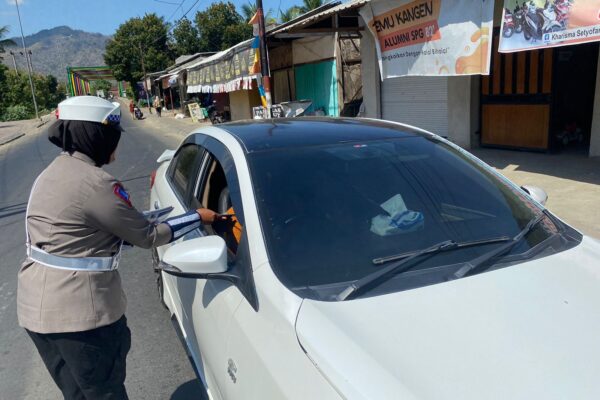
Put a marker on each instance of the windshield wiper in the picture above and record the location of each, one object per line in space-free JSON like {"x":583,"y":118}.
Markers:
{"x":460,"y":245}
{"x":395,"y":268}
{"x":476,"y":263}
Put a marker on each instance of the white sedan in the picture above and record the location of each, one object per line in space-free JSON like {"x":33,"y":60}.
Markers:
{"x":372,"y":260}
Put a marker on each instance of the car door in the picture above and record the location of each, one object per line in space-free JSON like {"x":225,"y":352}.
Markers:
{"x":181,"y":178}
{"x":215,"y":301}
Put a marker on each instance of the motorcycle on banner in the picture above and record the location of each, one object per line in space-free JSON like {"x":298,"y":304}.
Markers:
{"x":508,"y":28}
{"x":542,"y":24}
{"x":539,"y":21}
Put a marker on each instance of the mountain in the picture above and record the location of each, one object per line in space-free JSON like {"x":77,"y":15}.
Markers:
{"x":55,"y":49}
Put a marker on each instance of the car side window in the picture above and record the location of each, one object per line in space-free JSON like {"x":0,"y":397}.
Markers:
{"x":183,"y":168}
{"x":213,"y":193}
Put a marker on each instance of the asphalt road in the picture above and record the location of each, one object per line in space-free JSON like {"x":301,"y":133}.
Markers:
{"x":157,"y":366}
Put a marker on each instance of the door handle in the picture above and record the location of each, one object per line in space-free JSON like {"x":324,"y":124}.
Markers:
{"x":156,"y":205}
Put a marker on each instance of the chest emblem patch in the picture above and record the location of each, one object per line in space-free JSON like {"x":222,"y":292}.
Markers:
{"x":122,"y":194}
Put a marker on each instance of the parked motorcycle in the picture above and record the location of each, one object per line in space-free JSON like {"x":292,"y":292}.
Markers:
{"x":216,"y":117}
{"x":138,"y":113}
{"x":571,"y":133}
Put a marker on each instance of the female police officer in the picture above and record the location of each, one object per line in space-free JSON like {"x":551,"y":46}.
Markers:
{"x":70,"y":298}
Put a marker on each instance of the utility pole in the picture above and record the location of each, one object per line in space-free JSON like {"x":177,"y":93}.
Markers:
{"x":264,"y":60}
{"x":144,"y":71}
{"x":12,"y":54}
{"x":37,"y":115}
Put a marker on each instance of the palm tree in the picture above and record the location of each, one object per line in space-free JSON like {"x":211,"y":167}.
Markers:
{"x":308,"y":5}
{"x":249,"y":9}
{"x":289,"y":14}
{"x":4,"y":42}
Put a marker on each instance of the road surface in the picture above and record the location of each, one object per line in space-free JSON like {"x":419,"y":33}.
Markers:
{"x":157,"y":366}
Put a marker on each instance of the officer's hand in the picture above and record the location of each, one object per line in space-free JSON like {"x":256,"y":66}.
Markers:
{"x":207,"y":216}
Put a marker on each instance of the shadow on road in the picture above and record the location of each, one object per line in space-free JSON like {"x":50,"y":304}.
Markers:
{"x":136,"y":178}
{"x":567,"y":165}
{"x":191,"y":390}
{"x":12,"y":210}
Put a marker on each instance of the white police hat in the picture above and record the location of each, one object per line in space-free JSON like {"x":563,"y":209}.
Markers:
{"x":90,"y":108}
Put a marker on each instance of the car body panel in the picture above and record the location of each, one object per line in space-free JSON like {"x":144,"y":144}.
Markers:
{"x":529,"y":331}
{"x":503,"y":334}
{"x":205,"y":311}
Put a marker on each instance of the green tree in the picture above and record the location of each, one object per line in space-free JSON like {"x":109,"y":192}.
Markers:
{"x":3,"y":87}
{"x":289,"y":14}
{"x":248,"y":10}
{"x":186,"y":38}
{"x":136,"y":38}
{"x":308,"y":5}
{"x":4,"y":42}
{"x":235,"y":34}
{"x":220,"y":26}
{"x":102,"y":84}
{"x":15,"y":95}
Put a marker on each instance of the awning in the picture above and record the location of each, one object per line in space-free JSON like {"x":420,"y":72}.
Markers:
{"x":168,"y":80}
{"x":227,"y":71}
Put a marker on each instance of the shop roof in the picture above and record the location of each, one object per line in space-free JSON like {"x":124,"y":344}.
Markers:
{"x":306,"y":20}
{"x":217,"y":56}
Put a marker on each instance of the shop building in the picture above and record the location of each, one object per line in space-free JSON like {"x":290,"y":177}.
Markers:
{"x":531,"y":100}
{"x":317,"y":57}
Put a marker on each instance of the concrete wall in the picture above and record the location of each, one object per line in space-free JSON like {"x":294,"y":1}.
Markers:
{"x":459,"y":110}
{"x":595,"y":133}
{"x":371,"y":82}
{"x":241,"y":103}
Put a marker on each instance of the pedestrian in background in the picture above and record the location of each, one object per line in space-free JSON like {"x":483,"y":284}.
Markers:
{"x":132,"y":108}
{"x":157,"y":105}
{"x":70,"y":299}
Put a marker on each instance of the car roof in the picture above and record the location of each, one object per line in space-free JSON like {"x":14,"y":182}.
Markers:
{"x":260,"y":135}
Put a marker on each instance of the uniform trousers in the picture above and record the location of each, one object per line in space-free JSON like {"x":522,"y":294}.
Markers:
{"x":88,"y":365}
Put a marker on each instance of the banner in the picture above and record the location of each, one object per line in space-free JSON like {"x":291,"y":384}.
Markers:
{"x":540,"y":23}
{"x":435,"y":37}
{"x":233,"y":70}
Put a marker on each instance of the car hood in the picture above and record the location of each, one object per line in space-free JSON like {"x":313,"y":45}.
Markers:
{"x":530,"y":331}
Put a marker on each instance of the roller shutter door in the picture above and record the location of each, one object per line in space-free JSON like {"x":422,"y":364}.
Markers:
{"x":421,"y":101}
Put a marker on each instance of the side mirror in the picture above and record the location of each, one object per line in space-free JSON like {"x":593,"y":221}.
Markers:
{"x":196,"y":258}
{"x":536,"y":193}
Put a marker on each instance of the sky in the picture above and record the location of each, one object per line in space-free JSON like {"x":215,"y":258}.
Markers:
{"x":102,"y":16}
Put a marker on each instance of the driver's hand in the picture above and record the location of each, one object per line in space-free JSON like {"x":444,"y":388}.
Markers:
{"x":207,"y":216}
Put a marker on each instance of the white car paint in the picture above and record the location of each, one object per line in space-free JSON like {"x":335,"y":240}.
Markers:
{"x":526,"y":332}
{"x":218,"y":324}
{"x":529,"y":331}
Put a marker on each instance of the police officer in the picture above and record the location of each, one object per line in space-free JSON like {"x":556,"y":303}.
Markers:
{"x":70,"y":299}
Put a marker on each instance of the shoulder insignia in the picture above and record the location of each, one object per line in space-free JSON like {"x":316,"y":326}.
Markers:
{"x":122,"y":194}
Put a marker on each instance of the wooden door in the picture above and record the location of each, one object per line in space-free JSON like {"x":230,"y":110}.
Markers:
{"x":516,"y":98}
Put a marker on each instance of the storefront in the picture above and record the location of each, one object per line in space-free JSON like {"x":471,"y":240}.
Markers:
{"x":229,"y":77}
{"x":317,"y":57}
{"x":540,"y":99}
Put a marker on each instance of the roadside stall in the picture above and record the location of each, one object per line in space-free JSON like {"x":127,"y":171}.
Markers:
{"x":229,"y":78}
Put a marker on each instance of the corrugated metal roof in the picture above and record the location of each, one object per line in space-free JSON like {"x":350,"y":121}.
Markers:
{"x":310,"y":18}
{"x":217,"y":56}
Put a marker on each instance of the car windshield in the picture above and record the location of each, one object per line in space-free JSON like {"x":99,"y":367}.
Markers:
{"x":328,"y":212}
